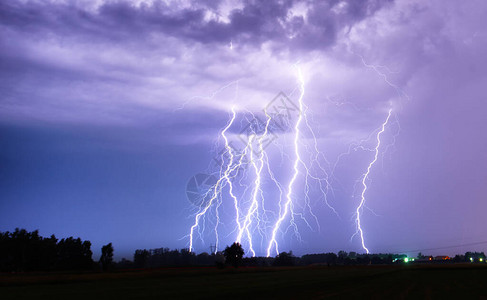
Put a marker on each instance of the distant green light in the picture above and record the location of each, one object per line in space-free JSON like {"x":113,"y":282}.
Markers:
{"x":406,"y":259}
{"x":471,"y":258}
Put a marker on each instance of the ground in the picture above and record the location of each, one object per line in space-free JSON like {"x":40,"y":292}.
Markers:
{"x":312,"y":282}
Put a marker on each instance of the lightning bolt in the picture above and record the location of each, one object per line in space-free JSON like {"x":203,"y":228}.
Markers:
{"x":383,"y":75}
{"x":254,"y":206}
{"x":227,"y":177}
{"x":288,"y":205}
{"x":365,"y":177}
{"x":216,"y":189}
{"x":251,"y":216}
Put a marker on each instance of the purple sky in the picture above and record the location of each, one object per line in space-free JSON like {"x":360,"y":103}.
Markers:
{"x":107,"y":108}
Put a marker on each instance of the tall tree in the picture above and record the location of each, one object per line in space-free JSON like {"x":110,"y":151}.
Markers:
{"x":233,"y":254}
{"x":285,"y":259}
{"x":106,"y":257}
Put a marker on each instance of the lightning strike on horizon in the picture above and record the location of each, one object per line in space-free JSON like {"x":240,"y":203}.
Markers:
{"x":216,"y":188}
{"x":251,"y":215}
{"x":227,"y":177}
{"x":244,"y":227}
{"x":255,"y":218}
{"x":365,"y":176}
{"x":288,"y":206}
{"x":254,"y":206}
{"x":382,"y":73}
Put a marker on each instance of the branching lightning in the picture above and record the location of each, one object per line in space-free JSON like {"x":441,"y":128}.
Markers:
{"x":365,"y":177}
{"x":251,"y":216}
{"x":266,"y":201}
{"x":288,"y":205}
{"x":216,"y":189}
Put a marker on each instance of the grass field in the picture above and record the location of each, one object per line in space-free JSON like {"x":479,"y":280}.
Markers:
{"x":315,"y":282}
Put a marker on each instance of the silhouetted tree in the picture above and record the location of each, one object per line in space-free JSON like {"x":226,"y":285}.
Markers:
{"x":285,"y":259}
{"x":141,"y":258}
{"x":342,"y":257}
{"x":124,"y":264}
{"x":233,"y":254}
{"x":74,"y":254}
{"x":28,"y":251}
{"x":328,"y":258}
{"x":187,"y":258}
{"x":257,"y":261}
{"x":155,"y":258}
{"x":459,"y":258}
{"x":106,"y":257}
{"x":375,"y":260}
{"x":363,"y":259}
{"x":219,"y":258}
{"x":204,"y":259}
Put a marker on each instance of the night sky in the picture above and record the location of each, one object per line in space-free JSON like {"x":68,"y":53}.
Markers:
{"x":108,"y":108}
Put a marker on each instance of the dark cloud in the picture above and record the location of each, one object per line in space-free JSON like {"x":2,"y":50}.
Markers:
{"x":255,"y":23}
{"x":53,"y":53}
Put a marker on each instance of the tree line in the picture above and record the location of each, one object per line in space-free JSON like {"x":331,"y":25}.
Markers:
{"x":233,"y":255}
{"x":28,"y":251}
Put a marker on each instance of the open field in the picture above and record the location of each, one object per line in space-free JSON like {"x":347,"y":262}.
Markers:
{"x":315,"y":282}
